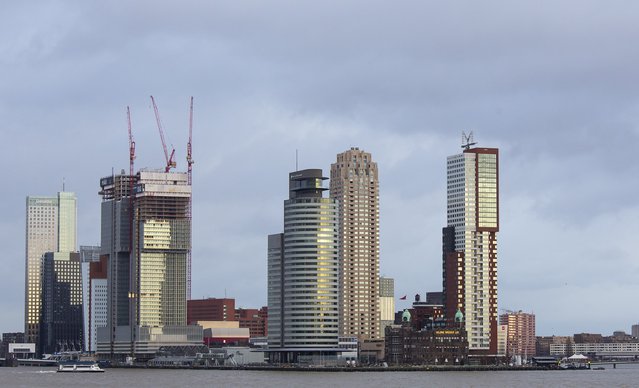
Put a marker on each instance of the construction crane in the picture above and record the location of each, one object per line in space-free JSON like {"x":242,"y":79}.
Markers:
{"x":189,"y":162}
{"x":131,"y":145}
{"x":170,"y":163}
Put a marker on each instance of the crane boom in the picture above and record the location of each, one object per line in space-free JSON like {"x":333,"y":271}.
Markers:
{"x":170,"y":162}
{"x":189,"y":162}
{"x":131,"y":142}
{"x":189,"y":156}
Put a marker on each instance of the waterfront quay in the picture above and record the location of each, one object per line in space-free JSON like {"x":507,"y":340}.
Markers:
{"x":319,"y":368}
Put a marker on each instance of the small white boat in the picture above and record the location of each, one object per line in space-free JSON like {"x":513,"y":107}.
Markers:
{"x":79,"y":367}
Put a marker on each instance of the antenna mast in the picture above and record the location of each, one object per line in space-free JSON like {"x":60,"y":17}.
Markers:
{"x":170,"y":163}
{"x":467,"y":140}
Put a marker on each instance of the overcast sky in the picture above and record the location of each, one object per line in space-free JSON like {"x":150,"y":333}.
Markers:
{"x":554,"y":85}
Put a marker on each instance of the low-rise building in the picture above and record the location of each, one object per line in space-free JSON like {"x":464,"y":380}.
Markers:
{"x":10,"y":338}
{"x":440,"y":346}
{"x":542,"y":344}
{"x":597,"y":350}
{"x":256,"y":320}
{"x":210,"y":309}
{"x":224,"y":333}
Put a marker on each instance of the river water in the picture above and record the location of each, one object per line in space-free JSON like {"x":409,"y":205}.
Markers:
{"x":622,"y":376}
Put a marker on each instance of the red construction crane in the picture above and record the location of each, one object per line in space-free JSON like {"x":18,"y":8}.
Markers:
{"x":189,"y":162}
{"x":189,"y":159}
{"x":131,"y":144}
{"x":170,"y":163}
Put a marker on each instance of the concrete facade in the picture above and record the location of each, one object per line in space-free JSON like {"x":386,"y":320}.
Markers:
{"x":521,"y":333}
{"x":354,"y":185}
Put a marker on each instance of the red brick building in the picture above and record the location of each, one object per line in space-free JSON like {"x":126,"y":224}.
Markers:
{"x":211,"y":309}
{"x":253,"y":319}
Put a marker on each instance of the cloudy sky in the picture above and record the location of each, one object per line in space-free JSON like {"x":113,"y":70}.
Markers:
{"x":554,"y":85}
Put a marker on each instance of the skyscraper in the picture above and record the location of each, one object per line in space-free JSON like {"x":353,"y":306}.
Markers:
{"x":50,"y":227}
{"x":355,"y":188}
{"x":146,"y":236}
{"x":470,"y":245}
{"x":303,"y":274}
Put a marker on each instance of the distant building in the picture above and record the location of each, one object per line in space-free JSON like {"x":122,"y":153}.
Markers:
{"x":597,"y":350}
{"x":435,"y":297}
{"x":50,"y":227}
{"x":470,"y":244}
{"x":97,"y":301}
{"x":502,"y":340}
{"x":424,"y":313}
{"x":9,"y":338}
{"x":635,"y":331}
{"x":303,"y":269}
{"x":256,"y":320}
{"x":521,"y":333}
{"x":542,"y":344}
{"x":583,"y":338}
{"x":211,"y":309}
{"x":62,"y":312}
{"x":386,"y":302}
{"x":354,"y":186}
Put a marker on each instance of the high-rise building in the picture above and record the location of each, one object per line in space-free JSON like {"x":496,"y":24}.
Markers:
{"x":634,"y":331}
{"x":88,"y":255}
{"x":62,"y":322}
{"x":146,"y":235}
{"x":354,"y":186}
{"x":50,"y":227}
{"x":386,"y":302}
{"x":470,"y":245}
{"x":303,"y":270}
{"x":521,"y":333}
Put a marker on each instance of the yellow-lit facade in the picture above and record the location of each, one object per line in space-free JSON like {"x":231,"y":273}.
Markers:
{"x":162,"y":230}
{"x":50,"y":227}
{"x":473,"y":211}
{"x":303,"y":269}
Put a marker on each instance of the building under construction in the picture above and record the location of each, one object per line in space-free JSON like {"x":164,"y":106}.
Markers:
{"x":146,"y":235}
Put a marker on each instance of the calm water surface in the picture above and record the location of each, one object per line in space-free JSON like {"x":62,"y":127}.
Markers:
{"x":623,"y":376}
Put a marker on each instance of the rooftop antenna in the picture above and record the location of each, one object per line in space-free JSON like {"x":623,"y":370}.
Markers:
{"x":467,"y":140}
{"x":63,"y":184}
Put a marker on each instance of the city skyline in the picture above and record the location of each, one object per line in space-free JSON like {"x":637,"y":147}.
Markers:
{"x":558,"y":100}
